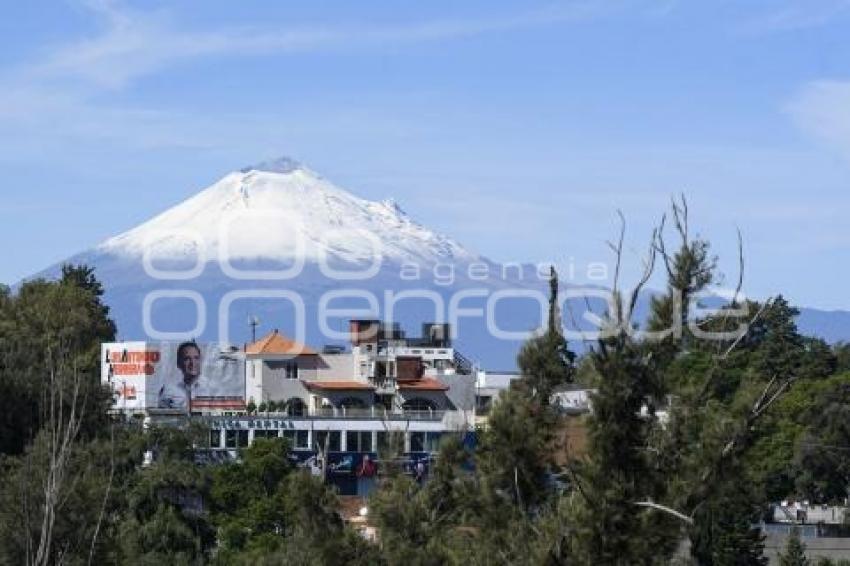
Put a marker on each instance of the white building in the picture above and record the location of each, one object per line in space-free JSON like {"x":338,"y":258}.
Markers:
{"x":340,"y":403}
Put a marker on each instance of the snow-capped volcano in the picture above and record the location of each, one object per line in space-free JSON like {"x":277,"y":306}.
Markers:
{"x":176,"y":276}
{"x":281,"y":210}
{"x":205,"y":267}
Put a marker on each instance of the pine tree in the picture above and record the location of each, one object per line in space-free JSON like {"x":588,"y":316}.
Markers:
{"x":546,"y":361}
{"x":723,"y":532}
{"x":611,"y":527}
{"x":515,"y":455}
{"x":781,"y":348}
{"x":690,"y":270}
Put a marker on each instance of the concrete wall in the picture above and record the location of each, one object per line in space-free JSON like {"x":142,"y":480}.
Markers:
{"x":335,"y":367}
{"x":462,"y":391}
{"x":281,"y":390}
{"x":834,"y":548}
{"x":266,"y":379}
{"x":276,"y":369}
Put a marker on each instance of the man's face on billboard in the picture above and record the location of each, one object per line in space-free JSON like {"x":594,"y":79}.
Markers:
{"x":189,"y":363}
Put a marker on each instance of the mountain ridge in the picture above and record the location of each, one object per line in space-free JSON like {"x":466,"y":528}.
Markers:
{"x":234,"y":238}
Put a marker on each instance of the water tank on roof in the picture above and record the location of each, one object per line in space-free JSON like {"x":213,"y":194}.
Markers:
{"x":437,"y":334}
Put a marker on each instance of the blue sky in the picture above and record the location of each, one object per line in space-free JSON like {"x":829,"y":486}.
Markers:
{"x":517,"y":127}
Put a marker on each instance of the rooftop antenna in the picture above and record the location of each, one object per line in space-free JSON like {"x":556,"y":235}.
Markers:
{"x":253,"y":322}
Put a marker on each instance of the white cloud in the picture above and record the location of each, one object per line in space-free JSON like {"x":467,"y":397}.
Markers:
{"x":65,"y":95}
{"x":134,"y":44}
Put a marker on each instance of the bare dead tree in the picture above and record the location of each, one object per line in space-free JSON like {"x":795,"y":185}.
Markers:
{"x":106,"y":494}
{"x":61,"y":428}
{"x":620,"y":320}
{"x":738,"y":442}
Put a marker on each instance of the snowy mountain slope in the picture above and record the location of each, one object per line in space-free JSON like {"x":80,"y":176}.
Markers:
{"x":273,"y":215}
{"x":281,"y":210}
{"x":268,"y":217}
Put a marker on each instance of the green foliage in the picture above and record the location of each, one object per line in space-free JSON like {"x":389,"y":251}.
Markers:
{"x":409,"y":534}
{"x":95,"y":498}
{"x":586,"y":374}
{"x":619,"y":473}
{"x":822,"y":456}
{"x":818,"y":360}
{"x":712,"y":460}
{"x":268,"y":512}
{"x":242,"y":495}
{"x":546,"y":361}
{"x":842,"y":356}
{"x":493,"y":515}
{"x":515,"y":454}
{"x":722,"y":533}
{"x":165,"y":518}
{"x":795,"y":552}
{"x":789,"y":436}
{"x":781,"y":348}
{"x":51,"y":327}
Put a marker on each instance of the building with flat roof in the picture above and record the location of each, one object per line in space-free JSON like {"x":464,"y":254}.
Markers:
{"x":385,"y":393}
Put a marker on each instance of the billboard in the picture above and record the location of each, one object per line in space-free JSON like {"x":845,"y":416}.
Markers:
{"x":184,"y":376}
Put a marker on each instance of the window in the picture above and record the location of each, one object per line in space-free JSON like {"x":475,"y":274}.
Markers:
{"x":331,"y":437}
{"x":236,"y":438}
{"x":295,"y":407}
{"x":352,"y":403}
{"x":390,"y":443}
{"x":418,"y":404}
{"x":483,"y":404}
{"x":265,"y":434}
{"x":286,"y":369}
{"x":432,"y":441}
{"x":301,"y":439}
{"x":417,"y":442}
{"x":384,"y":401}
{"x":380,"y":370}
{"x":215,"y":438}
{"x":358,"y":441}
{"x":297,"y":439}
{"x":291,"y":369}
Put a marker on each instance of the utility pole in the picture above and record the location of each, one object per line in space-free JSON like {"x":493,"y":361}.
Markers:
{"x":254,"y":323}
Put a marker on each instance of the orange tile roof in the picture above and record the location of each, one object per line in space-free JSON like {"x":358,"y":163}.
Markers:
{"x":424,"y":384}
{"x":276,"y":343}
{"x":339,"y":385}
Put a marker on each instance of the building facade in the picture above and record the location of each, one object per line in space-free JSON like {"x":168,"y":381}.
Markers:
{"x":384,"y":394}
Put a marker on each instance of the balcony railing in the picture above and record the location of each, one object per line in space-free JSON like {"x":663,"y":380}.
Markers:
{"x":370,"y":413}
{"x":426,"y":352}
